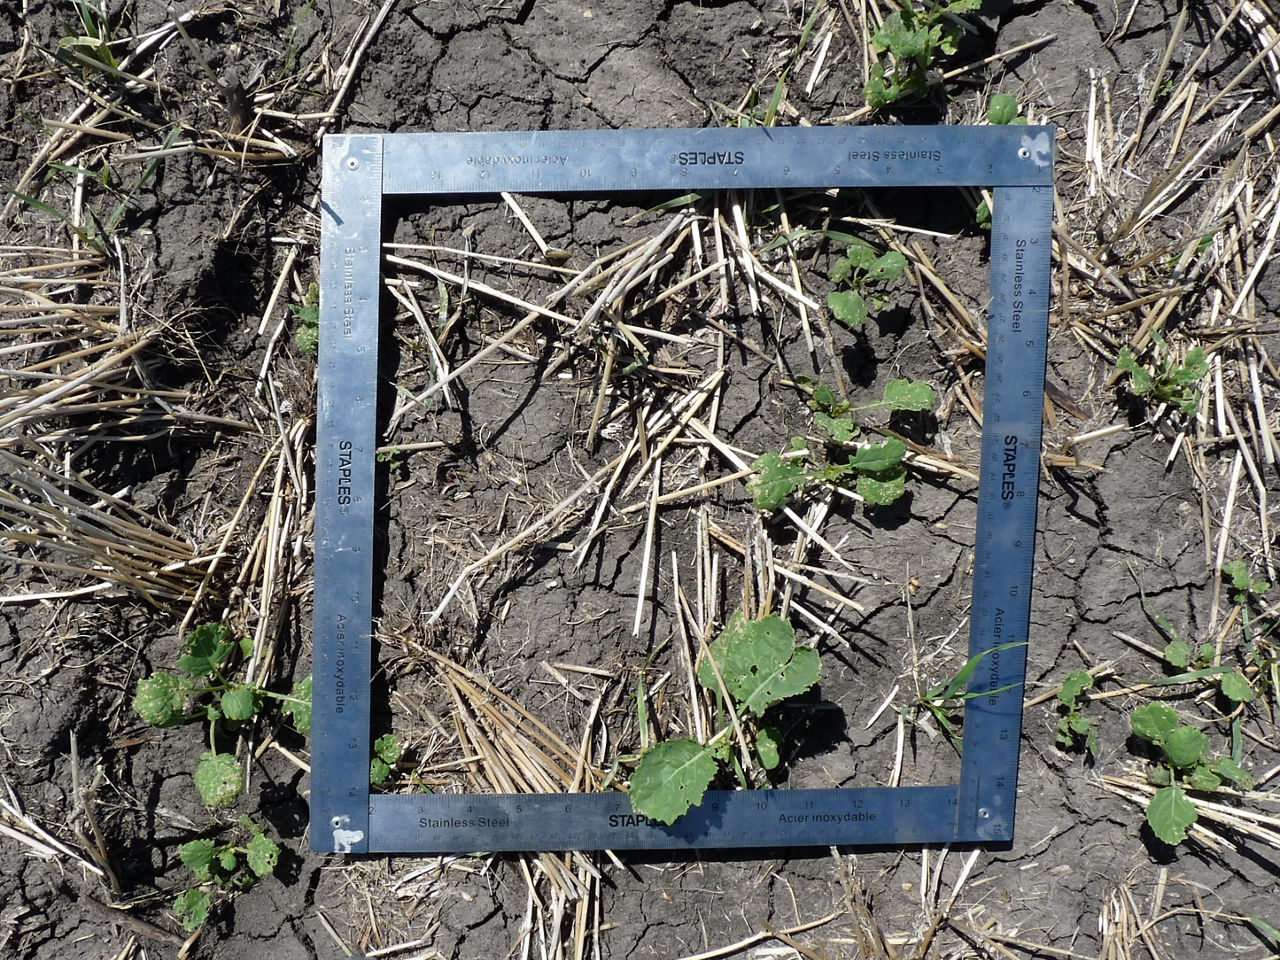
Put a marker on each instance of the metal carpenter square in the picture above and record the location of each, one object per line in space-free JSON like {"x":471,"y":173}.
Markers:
{"x":360,"y":170}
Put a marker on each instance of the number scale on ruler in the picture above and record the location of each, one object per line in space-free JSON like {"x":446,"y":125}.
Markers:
{"x":360,"y":170}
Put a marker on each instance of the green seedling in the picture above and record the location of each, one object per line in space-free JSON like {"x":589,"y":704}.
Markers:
{"x":1237,"y":571}
{"x":944,"y":700}
{"x":1184,"y":764}
{"x":860,"y":276}
{"x":1198,"y":664}
{"x":1003,"y":111}
{"x":1075,"y":730}
{"x":307,"y":336}
{"x":94,"y":39}
{"x":913,"y":39}
{"x":226,"y":866}
{"x":205,"y":689}
{"x":1166,"y":380}
{"x":876,"y":468}
{"x":758,"y":664}
{"x":386,"y":754}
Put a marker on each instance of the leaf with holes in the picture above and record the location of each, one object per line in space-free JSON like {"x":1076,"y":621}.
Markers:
{"x":218,"y":779}
{"x":883,"y":487}
{"x":908,"y":395}
{"x":160,"y":699}
{"x":671,"y":777}
{"x":262,"y":854}
{"x":192,"y":908}
{"x":776,"y":479}
{"x":848,"y":307}
{"x":298,"y":706}
{"x":759,"y":662}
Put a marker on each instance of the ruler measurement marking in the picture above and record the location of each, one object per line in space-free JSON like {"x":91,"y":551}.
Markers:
{"x":360,"y":171}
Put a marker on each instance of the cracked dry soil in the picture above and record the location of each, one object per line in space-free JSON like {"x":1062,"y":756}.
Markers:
{"x":205,"y":242}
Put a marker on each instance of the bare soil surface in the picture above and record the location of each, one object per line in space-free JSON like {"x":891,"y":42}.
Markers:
{"x":158,"y":419}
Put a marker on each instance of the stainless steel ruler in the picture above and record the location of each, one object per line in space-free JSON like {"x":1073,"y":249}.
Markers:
{"x":361,"y":170}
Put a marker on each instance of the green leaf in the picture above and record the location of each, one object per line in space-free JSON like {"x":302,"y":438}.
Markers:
{"x":387,"y":747}
{"x":860,"y":254}
{"x":776,"y":479}
{"x":848,"y":307}
{"x":824,"y":397}
{"x":953,"y":686}
{"x":759,"y":662}
{"x":1139,"y":378}
{"x":1203,"y":778}
{"x":670,"y":778}
{"x":1194,"y":366}
{"x":208,"y":647}
{"x":882,"y":488}
{"x":839,"y":429}
{"x":908,"y":395}
{"x":1159,"y":776}
{"x":192,"y":908}
{"x":887,"y":267}
{"x":1238,"y":573}
{"x":1003,"y":109}
{"x":239,"y":703}
{"x":218,"y":779}
{"x":1177,"y":653}
{"x":298,"y":706}
{"x":841,"y":270}
{"x":1073,"y":686}
{"x":227,"y":860}
{"x":1170,"y":813}
{"x":878,"y":457}
{"x":1185,"y":746}
{"x":160,"y":699}
{"x":197,"y":856}
{"x":262,"y":854}
{"x":1236,"y":688}
{"x":767,"y":748}
{"x":1153,"y":722}
{"x":1266,"y":929}
{"x":982,"y":216}
{"x":379,"y":771}
{"x":1231,"y":772}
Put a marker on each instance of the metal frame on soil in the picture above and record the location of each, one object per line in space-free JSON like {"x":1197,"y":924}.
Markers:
{"x":360,"y":171}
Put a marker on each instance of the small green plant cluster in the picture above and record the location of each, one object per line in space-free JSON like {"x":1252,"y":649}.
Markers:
{"x":229,"y":866}
{"x":944,"y":700}
{"x":204,"y":688}
{"x":913,"y":39}
{"x":877,"y":468}
{"x":1075,"y":730}
{"x":307,"y":336}
{"x":1184,"y":764}
{"x":1166,"y":380}
{"x":758,"y":664}
{"x":94,"y":39}
{"x":1237,"y":571}
{"x":858,"y":275}
{"x":386,"y":754}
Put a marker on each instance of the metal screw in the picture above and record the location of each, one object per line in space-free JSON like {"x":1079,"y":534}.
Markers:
{"x":1024,"y":153}
{"x":984,"y":814}
{"x":353,"y":163}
